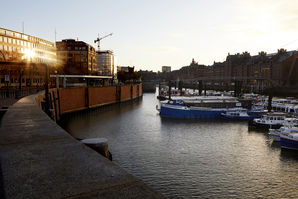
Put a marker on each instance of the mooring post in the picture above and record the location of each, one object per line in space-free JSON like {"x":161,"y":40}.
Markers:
{"x":159,"y":87}
{"x":98,"y":144}
{"x":269,"y":102}
{"x":169,"y":90}
{"x":180,"y":87}
{"x":200,"y":87}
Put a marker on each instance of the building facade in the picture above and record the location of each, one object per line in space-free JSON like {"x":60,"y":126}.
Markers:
{"x":105,"y":62}
{"x":24,"y":58}
{"x":165,"y":69}
{"x":76,"y":57}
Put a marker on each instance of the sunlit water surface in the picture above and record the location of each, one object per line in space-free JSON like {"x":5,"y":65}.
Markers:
{"x":190,"y":158}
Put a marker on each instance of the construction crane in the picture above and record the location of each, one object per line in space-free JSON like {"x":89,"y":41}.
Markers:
{"x":100,"y":38}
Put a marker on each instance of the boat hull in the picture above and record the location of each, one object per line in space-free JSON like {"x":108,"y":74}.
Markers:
{"x":287,"y":143}
{"x":265,"y":126}
{"x":184,"y":112}
{"x":275,"y":135}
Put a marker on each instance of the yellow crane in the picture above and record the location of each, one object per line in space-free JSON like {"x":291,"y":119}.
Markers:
{"x":100,"y":38}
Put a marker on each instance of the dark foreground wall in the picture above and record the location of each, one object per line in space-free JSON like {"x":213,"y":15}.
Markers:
{"x":40,"y":160}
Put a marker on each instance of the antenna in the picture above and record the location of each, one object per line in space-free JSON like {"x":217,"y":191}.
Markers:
{"x":55,"y":37}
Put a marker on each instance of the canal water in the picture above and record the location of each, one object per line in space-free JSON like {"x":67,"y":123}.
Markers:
{"x":190,"y":158}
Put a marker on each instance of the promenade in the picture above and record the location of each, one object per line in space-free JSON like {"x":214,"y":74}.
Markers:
{"x":39,"y":159}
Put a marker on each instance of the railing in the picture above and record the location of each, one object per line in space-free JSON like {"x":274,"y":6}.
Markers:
{"x":16,"y":93}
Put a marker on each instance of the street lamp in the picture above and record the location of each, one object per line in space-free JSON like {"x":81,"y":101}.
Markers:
{"x":47,"y":101}
{"x":7,"y":93}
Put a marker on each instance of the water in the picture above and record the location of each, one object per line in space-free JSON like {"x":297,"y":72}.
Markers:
{"x":191,"y":158}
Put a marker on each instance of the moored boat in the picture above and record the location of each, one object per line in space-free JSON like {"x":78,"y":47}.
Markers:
{"x":237,"y":114}
{"x":289,"y":141}
{"x":198,"y":107}
{"x":285,"y":130}
{"x":270,"y":120}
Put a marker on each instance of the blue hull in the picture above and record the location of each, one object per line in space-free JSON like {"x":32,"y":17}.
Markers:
{"x":188,"y":113}
{"x":288,"y":143}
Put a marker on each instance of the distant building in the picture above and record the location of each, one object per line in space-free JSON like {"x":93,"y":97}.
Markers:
{"x":76,"y":57}
{"x":125,"y":69}
{"x":23,"y":59}
{"x":105,"y":62}
{"x":166,"y":69}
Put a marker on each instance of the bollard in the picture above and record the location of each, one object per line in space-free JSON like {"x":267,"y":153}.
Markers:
{"x":98,"y":144}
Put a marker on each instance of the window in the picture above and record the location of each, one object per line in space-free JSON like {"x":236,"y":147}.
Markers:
{"x":1,"y":47}
{"x":76,"y":48}
{"x":5,"y":48}
{"x":69,"y":48}
{"x":1,"y":38}
{"x":9,"y":40}
{"x":13,"y":41}
{"x":5,"y":39}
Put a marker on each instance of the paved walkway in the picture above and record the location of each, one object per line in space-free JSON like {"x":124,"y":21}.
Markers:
{"x":40,"y":160}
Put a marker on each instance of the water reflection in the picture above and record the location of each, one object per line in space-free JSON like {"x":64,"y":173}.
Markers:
{"x":191,"y":158}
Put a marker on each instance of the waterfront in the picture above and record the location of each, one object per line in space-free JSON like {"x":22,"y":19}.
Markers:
{"x":190,"y":158}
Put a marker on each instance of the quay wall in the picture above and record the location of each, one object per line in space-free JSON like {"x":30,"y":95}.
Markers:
{"x":66,"y":100}
{"x":39,"y":159}
{"x":74,"y":99}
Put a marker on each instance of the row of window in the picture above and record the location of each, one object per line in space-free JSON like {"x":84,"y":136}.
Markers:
{"x":25,"y":37}
{"x":75,"y":48}
{"x":15,"y":41}
{"x":18,"y":42}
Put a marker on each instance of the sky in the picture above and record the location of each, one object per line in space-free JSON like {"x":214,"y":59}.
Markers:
{"x":149,"y":34}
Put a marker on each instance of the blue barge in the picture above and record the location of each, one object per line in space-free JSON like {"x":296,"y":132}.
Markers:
{"x":189,"y":112}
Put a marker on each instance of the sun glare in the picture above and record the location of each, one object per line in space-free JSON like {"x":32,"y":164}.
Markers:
{"x":28,"y":54}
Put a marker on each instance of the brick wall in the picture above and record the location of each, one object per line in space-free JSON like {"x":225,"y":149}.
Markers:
{"x":72,"y":99}
{"x":125,"y":93}
{"x":102,"y":95}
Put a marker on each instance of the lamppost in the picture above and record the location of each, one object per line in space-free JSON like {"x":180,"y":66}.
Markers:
{"x":47,"y":101}
{"x":7,"y":93}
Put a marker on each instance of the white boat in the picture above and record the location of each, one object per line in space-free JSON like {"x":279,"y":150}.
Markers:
{"x":270,"y":120}
{"x":285,"y":130}
{"x":237,"y":114}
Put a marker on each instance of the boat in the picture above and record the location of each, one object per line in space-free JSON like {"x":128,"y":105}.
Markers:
{"x":257,"y":111}
{"x":237,"y":114}
{"x":285,"y":130}
{"x":290,"y":140}
{"x":270,"y":120}
{"x":198,"y":107}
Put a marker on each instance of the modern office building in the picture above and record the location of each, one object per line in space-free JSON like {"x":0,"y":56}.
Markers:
{"x":76,"y":57}
{"x":105,"y":62}
{"x":24,"y":58}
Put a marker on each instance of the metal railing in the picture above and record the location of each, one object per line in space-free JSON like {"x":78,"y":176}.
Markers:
{"x":16,"y":93}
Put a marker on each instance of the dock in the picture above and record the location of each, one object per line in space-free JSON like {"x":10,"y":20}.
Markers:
{"x":38,"y":159}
